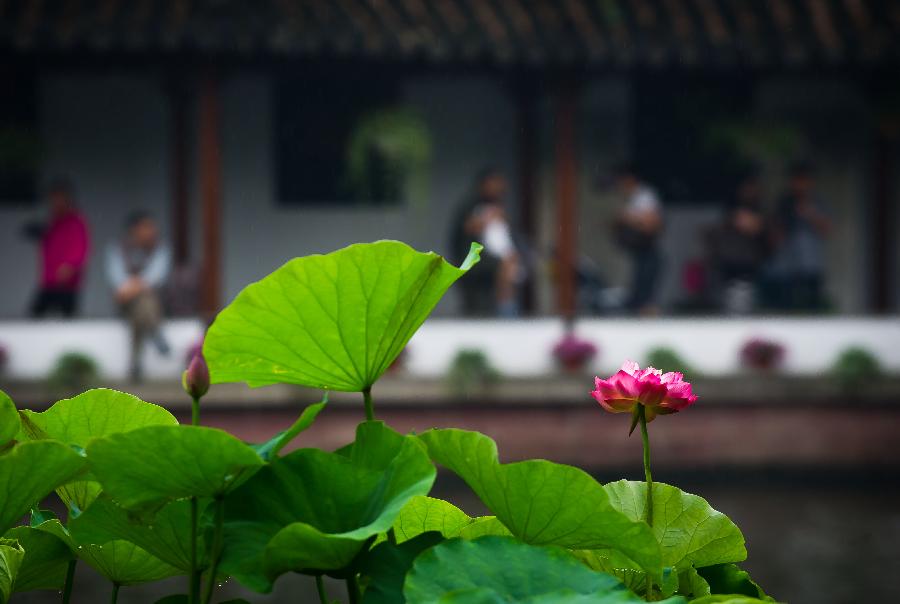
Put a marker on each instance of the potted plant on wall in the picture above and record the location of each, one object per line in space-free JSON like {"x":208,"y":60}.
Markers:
{"x":761,"y":354}
{"x":573,"y":354}
{"x":856,"y":368}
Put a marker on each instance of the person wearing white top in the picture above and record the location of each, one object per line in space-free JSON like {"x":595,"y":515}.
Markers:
{"x":493,"y":288}
{"x":137,"y":267}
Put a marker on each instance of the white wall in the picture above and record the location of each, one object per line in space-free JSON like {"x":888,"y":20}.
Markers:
{"x":516,"y":348}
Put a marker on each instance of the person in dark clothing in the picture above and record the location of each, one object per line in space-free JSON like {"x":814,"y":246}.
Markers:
{"x":638,"y":229}
{"x":801,"y":229}
{"x":64,"y":250}
{"x":742,"y":246}
{"x":491,"y":288}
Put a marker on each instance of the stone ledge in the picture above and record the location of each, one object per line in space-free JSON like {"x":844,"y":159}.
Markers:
{"x":550,"y":390}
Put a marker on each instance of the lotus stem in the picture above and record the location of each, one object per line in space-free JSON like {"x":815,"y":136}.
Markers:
{"x":645,"y":441}
{"x":218,"y":545}
{"x":115,"y":594}
{"x":195,"y":410}
{"x":367,"y":400}
{"x":194,"y":591}
{"x":353,"y":589}
{"x":70,"y":581}
{"x":320,"y":587}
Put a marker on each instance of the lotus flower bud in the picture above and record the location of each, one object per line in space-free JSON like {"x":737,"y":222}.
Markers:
{"x":195,"y":379}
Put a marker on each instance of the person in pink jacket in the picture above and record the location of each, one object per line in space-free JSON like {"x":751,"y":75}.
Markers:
{"x":64,"y":249}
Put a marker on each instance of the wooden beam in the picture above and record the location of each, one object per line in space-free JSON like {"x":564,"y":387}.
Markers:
{"x":566,"y":202}
{"x":210,"y":193}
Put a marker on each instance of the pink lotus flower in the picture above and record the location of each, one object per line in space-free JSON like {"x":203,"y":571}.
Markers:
{"x":660,"y":393}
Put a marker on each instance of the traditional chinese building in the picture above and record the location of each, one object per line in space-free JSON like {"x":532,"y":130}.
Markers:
{"x":230,"y":121}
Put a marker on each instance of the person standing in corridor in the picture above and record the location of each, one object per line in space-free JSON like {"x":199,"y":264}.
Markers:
{"x":65,"y":245}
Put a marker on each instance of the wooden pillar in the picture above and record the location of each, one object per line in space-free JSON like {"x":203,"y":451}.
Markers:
{"x":180,"y":208}
{"x":210,"y":168}
{"x":527,"y":151}
{"x":566,"y":202}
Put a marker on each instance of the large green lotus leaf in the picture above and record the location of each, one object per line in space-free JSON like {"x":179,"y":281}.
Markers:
{"x":92,"y":414}
{"x":11,"y":555}
{"x":145,"y":468}
{"x":384,"y":567}
{"x":543,"y":503}
{"x":335,"y":322}
{"x":313,"y":511}
{"x":9,"y":420}
{"x":731,"y":579}
{"x":512,"y":570}
{"x":689,"y":531}
{"x":29,"y":472}
{"x":125,"y":563}
{"x":166,"y":536}
{"x":47,"y":556}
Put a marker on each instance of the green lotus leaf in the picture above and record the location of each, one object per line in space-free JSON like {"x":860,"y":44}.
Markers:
{"x":543,"y":503}
{"x":385,"y":566}
{"x":93,"y":414}
{"x":124,"y":563}
{"x":334,"y":321}
{"x":313,"y":511}
{"x":691,"y":584}
{"x":145,"y":468}
{"x":29,"y":472}
{"x":9,"y":420}
{"x":484,"y":525}
{"x":47,"y":555}
{"x":502,"y":569}
{"x":424,"y":514}
{"x":11,"y":556}
{"x":427,"y":514}
{"x":625,"y":570}
{"x":731,"y":579}
{"x":729,"y":599}
{"x":689,"y":531}
{"x":185,"y":599}
{"x":166,"y":536}
{"x":83,"y":418}
{"x":274,"y":445}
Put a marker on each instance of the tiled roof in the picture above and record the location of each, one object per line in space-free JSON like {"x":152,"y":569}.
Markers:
{"x":600,"y":32}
